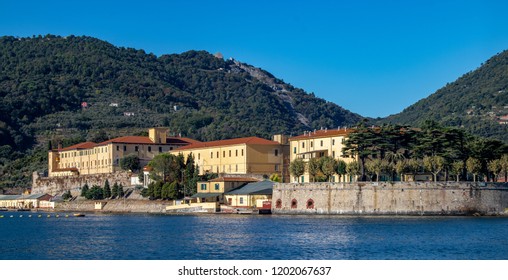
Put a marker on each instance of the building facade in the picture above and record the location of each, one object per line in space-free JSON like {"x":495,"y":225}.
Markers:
{"x":240,"y":156}
{"x":98,"y":158}
{"x":214,"y":189}
{"x":31,"y":201}
{"x":253,"y":195}
{"x":317,"y":144}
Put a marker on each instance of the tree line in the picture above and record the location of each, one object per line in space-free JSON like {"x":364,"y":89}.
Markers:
{"x":97,"y":192}
{"x":173,"y":177}
{"x":394,"y":152}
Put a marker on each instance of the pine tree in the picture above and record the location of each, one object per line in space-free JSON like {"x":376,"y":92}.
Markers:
{"x":84,"y":190}
{"x":115,"y":191}
{"x":106,"y":190}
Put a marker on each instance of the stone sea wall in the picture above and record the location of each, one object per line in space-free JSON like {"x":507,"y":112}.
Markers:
{"x":59,"y":185}
{"x":114,"y":206}
{"x":383,"y":198}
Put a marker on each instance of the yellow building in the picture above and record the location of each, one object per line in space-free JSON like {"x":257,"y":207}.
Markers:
{"x":96,"y":158}
{"x":213,"y":190}
{"x":316,"y":144}
{"x":240,"y":156}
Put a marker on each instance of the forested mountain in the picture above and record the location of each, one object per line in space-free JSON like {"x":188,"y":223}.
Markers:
{"x":75,"y":89}
{"x":477,"y":101}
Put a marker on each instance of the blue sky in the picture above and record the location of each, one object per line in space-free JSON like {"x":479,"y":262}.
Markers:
{"x":371,"y":57}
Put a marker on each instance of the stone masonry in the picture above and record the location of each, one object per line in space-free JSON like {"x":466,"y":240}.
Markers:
{"x":59,"y":185}
{"x":384,"y":198}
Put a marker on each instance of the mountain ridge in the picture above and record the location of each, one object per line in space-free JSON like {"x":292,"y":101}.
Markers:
{"x":477,"y":101}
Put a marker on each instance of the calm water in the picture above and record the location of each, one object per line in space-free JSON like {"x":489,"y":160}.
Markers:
{"x":251,"y":237}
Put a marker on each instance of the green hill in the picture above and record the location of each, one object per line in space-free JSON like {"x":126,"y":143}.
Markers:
{"x":477,"y":101}
{"x":74,"y":89}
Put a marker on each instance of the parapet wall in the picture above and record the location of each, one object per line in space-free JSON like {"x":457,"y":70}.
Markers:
{"x":59,"y":185}
{"x":400,"y":198}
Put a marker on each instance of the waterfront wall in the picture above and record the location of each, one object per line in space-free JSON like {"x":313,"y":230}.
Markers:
{"x":115,"y":206}
{"x":59,"y":185}
{"x":384,"y":198}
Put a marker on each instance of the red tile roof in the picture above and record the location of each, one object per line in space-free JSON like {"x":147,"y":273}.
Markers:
{"x":84,"y":145}
{"x":181,"y":140}
{"x":147,"y":140}
{"x":322,"y":133}
{"x":131,"y":140}
{"x":128,"y":140}
{"x":236,"y":141}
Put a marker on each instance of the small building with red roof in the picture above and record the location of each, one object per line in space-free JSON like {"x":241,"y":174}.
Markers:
{"x":99,"y":158}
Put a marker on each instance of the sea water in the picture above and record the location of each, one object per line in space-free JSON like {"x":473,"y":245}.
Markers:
{"x":246,"y":237}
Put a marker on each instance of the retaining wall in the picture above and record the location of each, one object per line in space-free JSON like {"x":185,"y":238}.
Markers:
{"x":59,"y":185}
{"x":401,"y":198}
{"x":115,"y":206}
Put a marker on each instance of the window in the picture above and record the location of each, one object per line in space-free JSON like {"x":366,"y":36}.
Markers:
{"x":242,"y":152}
{"x":170,"y":148}
{"x":149,"y":148}
{"x":223,"y":154}
{"x":211,"y":154}
{"x":136,"y":148}
{"x":199,"y":156}
{"x":160,"y":149}
{"x":229,"y":153}
{"x":321,"y":143}
{"x":312,"y":144}
{"x":236,"y":168}
{"x":217,"y":154}
{"x":294,"y":150}
{"x":276,"y":167}
{"x":333,"y":153}
{"x":276,"y":152}
{"x":236,"y":153}
{"x":310,"y":204}
{"x":278,"y":204}
{"x":203,"y":187}
{"x":294,"y":203}
{"x":241,"y":200}
{"x":303,"y":145}
{"x":303,"y":179}
{"x":217,"y":186}
{"x":333,"y":142}
{"x":124,"y":148}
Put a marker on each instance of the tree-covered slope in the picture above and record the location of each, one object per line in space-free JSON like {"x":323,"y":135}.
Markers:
{"x":476,"y":101}
{"x":81,"y":88}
